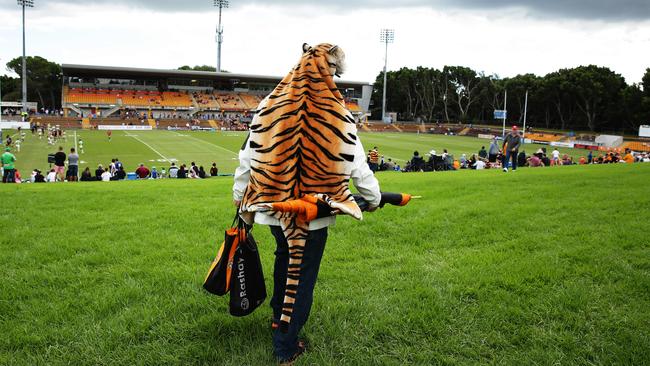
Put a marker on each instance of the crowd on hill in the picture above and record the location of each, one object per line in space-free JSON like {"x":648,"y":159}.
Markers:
{"x":494,"y":158}
{"x":66,"y":169}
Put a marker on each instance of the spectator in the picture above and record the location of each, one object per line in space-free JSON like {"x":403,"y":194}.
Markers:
{"x":142,"y":172}
{"x":582,"y":160}
{"x":182,"y":173}
{"x":106,"y":176}
{"x":201,"y":172}
{"x":628,"y":158}
{"x":86,"y":176}
{"x":194,"y":170}
{"x":556,"y":157}
{"x":173,"y":171}
{"x":59,"y":164}
{"x":463,"y":161}
{"x":390,"y":165}
{"x":521,"y":159}
{"x":154,"y":173}
{"x":214,"y":171}
{"x":51,"y":176}
{"x":373,"y":159}
{"x":482,"y":153}
{"x":98,"y":172}
{"x":120,"y":174}
{"x":479,"y":164}
{"x":163,"y":172}
{"x":73,"y":166}
{"x":8,"y":160}
{"x":417,"y":163}
{"x":38,"y":177}
{"x":494,"y":151}
{"x":511,"y":148}
{"x":590,"y":157}
{"x":534,"y":161}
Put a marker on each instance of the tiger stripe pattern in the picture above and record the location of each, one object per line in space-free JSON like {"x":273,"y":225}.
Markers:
{"x":302,"y":142}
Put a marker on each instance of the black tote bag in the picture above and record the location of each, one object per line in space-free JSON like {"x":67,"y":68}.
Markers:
{"x":247,"y":288}
{"x":220,"y":272}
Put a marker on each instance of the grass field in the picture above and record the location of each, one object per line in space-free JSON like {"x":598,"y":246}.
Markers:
{"x":158,"y":148}
{"x":544,"y":266}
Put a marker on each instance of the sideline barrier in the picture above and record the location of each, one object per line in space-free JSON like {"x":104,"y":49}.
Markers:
{"x":13,"y":125}
{"x":124,"y":128}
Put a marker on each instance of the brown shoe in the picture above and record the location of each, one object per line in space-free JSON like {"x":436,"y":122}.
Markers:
{"x":301,"y":349}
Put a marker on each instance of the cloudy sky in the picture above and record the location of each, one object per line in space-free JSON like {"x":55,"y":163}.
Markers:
{"x":503,"y":37}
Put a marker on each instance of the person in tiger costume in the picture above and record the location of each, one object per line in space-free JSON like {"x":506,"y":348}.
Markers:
{"x":302,"y":142}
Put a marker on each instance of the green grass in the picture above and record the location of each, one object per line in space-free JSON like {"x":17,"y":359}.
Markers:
{"x":157,"y":148}
{"x":542,"y":266}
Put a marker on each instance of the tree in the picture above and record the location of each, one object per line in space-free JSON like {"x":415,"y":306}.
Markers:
{"x":199,"y":68}
{"x":597,"y":93}
{"x":44,"y":80}
{"x":462,"y":83}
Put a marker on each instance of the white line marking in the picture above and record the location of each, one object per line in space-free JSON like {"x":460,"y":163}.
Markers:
{"x":75,"y":141}
{"x":149,"y":146}
{"x":209,"y":143}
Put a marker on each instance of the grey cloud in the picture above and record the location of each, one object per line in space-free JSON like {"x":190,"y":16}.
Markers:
{"x":616,"y":10}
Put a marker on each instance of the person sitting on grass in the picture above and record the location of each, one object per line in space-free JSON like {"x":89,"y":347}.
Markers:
{"x":120,"y":174}
{"x":106,"y":176}
{"x":201,"y":172}
{"x":182,"y":172}
{"x":51,"y":176}
{"x":628,"y":158}
{"x":214,"y":171}
{"x":173,"y":171}
{"x":98,"y":172}
{"x":534,"y":161}
{"x":154,"y":173}
{"x":86,"y":176}
{"x":417,"y":163}
{"x":463,"y":161}
{"x":38,"y":177}
{"x":142,"y":172}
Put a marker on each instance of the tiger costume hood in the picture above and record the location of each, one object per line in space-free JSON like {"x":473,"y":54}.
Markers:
{"x":302,"y":142}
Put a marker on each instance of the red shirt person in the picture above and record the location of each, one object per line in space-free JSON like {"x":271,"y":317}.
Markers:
{"x":142,"y":172}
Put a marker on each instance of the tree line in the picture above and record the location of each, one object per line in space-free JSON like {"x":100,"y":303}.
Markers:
{"x":582,"y":98}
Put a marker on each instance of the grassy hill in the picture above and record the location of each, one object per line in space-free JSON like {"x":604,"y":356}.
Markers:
{"x":541,"y":266}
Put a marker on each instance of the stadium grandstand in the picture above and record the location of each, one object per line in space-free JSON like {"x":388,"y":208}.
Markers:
{"x":102,"y":93}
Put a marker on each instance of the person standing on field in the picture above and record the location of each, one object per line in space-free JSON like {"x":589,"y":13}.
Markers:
{"x":73,"y":166}
{"x":494,"y":151}
{"x":511,"y":144}
{"x":8,"y":160}
{"x":59,"y":164}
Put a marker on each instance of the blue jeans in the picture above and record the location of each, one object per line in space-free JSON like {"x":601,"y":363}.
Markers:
{"x":510,"y":155}
{"x":285,"y":345}
{"x":9,"y":176}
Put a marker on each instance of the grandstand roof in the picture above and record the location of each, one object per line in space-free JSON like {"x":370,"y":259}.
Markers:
{"x":134,"y":72}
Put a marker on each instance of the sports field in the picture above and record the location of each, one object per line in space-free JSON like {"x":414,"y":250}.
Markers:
{"x":159,"y":148}
{"x":544,"y":266}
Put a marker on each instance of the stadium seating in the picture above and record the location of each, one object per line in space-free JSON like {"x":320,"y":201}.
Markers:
{"x":205,"y":100}
{"x":544,"y":137}
{"x":176,"y":99}
{"x":251,"y":100}
{"x":636,"y":146}
{"x":230,"y":101}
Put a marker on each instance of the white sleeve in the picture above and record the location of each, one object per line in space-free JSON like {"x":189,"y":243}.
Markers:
{"x":243,"y":172}
{"x":363,"y":178}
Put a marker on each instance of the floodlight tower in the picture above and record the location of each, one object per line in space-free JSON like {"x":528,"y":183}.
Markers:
{"x":386,"y":36}
{"x":25,"y":4}
{"x":222,"y":4}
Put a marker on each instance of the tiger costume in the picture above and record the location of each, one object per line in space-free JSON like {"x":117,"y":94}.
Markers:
{"x":302,"y":142}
